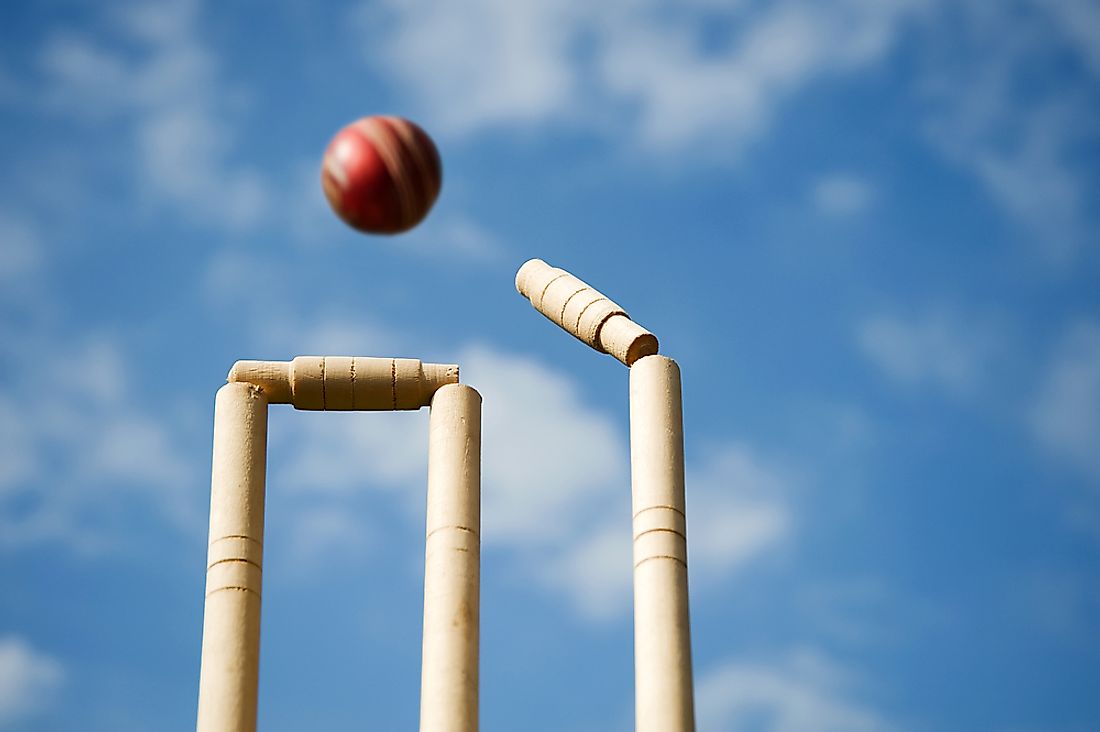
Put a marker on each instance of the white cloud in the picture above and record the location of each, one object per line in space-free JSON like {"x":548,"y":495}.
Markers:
{"x":593,"y":569}
{"x":737,"y":510}
{"x":686,"y":92}
{"x":803,"y":692}
{"x":1079,"y":20}
{"x":860,"y":611}
{"x":310,"y":219}
{"x":545,"y":455}
{"x":841,"y":194}
{"x":451,"y":237}
{"x":940,"y":348}
{"x":20,"y":248}
{"x":1066,"y":415}
{"x":480,"y":63}
{"x":660,"y":75}
{"x":1019,"y":139}
{"x":549,"y":459}
{"x":245,"y":282}
{"x":583,"y":65}
{"x":1035,"y":181}
{"x":549,"y":463}
{"x":319,"y":533}
{"x":135,"y":448}
{"x":76,"y":449}
{"x":1059,"y":603}
{"x":171,"y":96}
{"x":29,"y":680}
{"x":184,"y":154}
{"x":336,"y":453}
{"x":555,"y":480}
{"x":254,"y":286}
{"x":16,"y":460}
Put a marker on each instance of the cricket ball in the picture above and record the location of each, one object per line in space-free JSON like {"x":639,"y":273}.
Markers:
{"x":381,"y":175}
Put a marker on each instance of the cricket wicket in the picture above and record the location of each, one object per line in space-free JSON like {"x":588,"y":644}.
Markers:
{"x":663,"y":697}
{"x":229,"y":674}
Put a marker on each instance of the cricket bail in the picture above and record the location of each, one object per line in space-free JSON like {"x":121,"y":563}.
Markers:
{"x":346,"y":383}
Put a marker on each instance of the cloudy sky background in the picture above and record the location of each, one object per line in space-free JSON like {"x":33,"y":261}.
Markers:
{"x":867,"y":229}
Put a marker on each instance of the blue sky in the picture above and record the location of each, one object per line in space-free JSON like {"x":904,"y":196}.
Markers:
{"x":867,"y":230}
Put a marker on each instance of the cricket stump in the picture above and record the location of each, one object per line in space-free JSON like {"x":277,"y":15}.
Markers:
{"x":452,"y":558}
{"x":662,"y":637}
{"x":230,"y":667}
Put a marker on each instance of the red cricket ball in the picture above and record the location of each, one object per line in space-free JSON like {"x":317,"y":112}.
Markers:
{"x":381,"y":175}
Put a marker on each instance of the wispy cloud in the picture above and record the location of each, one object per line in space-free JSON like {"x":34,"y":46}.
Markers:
{"x":700,"y":76}
{"x":593,"y":569}
{"x":1066,"y":414}
{"x":841,"y":194}
{"x":450,"y":237}
{"x":560,"y":454}
{"x":862,"y":611}
{"x":75,"y":443}
{"x":1057,"y":602}
{"x":549,"y":463}
{"x":341,"y":453}
{"x":555,"y":481}
{"x":941,"y":347}
{"x":585,"y":66}
{"x":1079,"y":20}
{"x":320,"y":532}
{"x":563,"y":458}
{"x":29,"y":680}
{"x":737,"y":511}
{"x":484,"y":63}
{"x":173,"y":99}
{"x":20,"y":248}
{"x":1020,"y":138}
{"x":688,"y":91}
{"x":804,"y":690}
